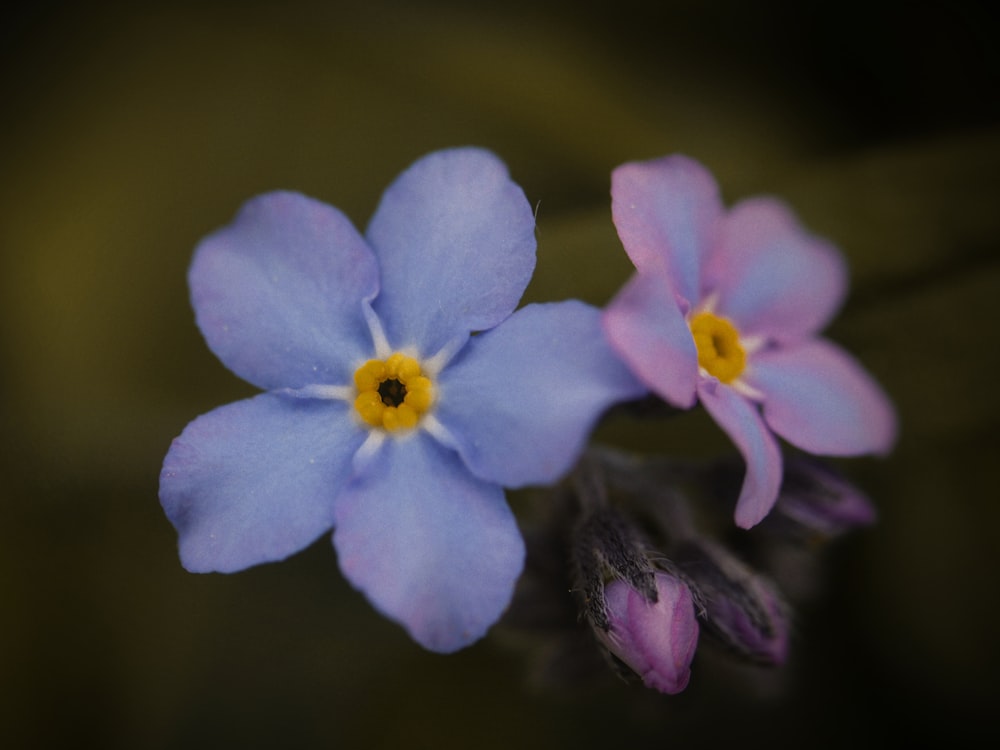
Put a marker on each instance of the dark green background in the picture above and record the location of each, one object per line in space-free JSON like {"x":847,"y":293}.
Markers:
{"x":127,"y":134}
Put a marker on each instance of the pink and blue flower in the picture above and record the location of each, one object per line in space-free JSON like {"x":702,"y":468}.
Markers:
{"x":724,"y":309}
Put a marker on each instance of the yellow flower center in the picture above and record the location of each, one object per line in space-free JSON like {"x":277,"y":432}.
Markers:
{"x":392,"y":393}
{"x":719,"y":350}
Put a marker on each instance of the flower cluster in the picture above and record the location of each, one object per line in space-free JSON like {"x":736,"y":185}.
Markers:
{"x":403,"y":391}
{"x":653,"y":571}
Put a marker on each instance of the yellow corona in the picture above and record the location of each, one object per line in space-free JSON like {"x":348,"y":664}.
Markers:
{"x":392,"y":393}
{"x":719,"y":350}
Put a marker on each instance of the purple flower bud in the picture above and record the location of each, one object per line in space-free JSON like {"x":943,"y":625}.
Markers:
{"x":657,"y":639}
{"x":816,"y":498}
{"x":740,"y":606}
{"x":607,"y":547}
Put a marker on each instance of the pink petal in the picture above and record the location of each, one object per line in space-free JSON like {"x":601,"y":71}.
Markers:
{"x":821,"y":399}
{"x":772,"y":278}
{"x":666,"y":212}
{"x":647,"y":329}
{"x":744,"y":425}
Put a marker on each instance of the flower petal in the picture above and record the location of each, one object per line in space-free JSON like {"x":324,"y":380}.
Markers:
{"x":278,"y":293}
{"x":745,"y":427}
{"x":455,"y":242}
{"x":820,"y":399}
{"x":521,"y":399}
{"x":431,"y":546}
{"x":666,"y":211}
{"x":646,"y":327}
{"x":772,"y":278}
{"x":255,"y":481}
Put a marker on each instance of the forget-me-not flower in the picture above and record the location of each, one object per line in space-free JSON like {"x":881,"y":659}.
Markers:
{"x":724,"y":309}
{"x":384,"y":417}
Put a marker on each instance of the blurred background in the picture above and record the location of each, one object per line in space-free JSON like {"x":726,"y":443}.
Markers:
{"x":131,"y":130}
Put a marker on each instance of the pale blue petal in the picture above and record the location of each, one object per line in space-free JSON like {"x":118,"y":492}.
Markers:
{"x":820,"y":399}
{"x":255,"y":481}
{"x":456,"y":246}
{"x":772,"y":278}
{"x":278,"y":293}
{"x":431,"y":546}
{"x":646,"y":327}
{"x":666,"y":212}
{"x":521,"y":399}
{"x":745,"y":427}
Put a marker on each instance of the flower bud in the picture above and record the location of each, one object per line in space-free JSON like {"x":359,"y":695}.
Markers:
{"x":607,"y":547}
{"x":815,"y":498}
{"x":655,"y":639}
{"x":741,"y":607}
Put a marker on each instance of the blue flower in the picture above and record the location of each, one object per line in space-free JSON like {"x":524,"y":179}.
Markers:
{"x":384,"y":417}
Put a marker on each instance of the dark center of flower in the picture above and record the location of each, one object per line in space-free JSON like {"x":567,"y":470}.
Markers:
{"x":393,"y":392}
{"x":725,"y":346}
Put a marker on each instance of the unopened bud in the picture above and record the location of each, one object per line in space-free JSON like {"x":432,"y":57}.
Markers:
{"x":654,"y":639}
{"x":816,"y":498}
{"x":741,"y":607}
{"x":607,"y":547}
